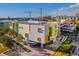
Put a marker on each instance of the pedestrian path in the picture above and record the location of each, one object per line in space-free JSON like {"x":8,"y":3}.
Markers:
{"x":35,"y":51}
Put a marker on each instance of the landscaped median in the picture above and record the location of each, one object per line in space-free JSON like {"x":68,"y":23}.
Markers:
{"x":7,"y":43}
{"x":59,"y":53}
{"x":23,"y":46}
{"x":64,"y":49}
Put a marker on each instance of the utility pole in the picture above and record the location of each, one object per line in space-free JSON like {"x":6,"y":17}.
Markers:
{"x":29,"y":14}
{"x":41,"y":13}
{"x":77,"y":49}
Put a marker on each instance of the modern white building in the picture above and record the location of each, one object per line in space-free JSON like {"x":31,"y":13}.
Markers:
{"x":39,"y":32}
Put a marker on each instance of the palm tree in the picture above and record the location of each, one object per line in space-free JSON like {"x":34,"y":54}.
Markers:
{"x":27,"y":37}
{"x":19,"y":37}
{"x":3,"y":30}
{"x":12,"y":32}
{"x":15,"y":26}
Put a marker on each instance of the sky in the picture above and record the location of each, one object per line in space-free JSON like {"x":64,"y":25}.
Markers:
{"x":48,"y":9}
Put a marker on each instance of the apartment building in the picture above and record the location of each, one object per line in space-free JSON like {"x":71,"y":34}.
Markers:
{"x":67,"y":17}
{"x":68,"y":26}
{"x":77,"y":14}
{"x":5,"y":23}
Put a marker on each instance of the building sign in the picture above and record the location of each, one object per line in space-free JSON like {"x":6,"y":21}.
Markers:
{"x":40,"y":30}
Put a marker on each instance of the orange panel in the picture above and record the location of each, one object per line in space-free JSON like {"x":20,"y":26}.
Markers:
{"x":46,"y":39}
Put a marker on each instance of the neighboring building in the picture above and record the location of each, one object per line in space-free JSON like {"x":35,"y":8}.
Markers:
{"x":77,"y":14}
{"x":1,"y":23}
{"x":5,"y":23}
{"x":68,"y":26}
{"x":67,"y":17}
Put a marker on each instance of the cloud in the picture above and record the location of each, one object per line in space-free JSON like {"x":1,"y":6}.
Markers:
{"x":69,"y":8}
{"x":75,"y":6}
{"x":78,"y":9}
{"x":58,"y":11}
{"x":61,"y":9}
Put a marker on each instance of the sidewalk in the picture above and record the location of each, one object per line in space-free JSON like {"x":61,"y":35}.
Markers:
{"x":3,"y":54}
{"x":35,"y":51}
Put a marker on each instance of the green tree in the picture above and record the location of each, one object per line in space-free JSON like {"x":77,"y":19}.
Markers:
{"x":3,"y":29}
{"x":12,"y":32}
{"x":27,"y":35}
{"x":15,"y":26}
{"x":19,"y":37}
{"x":5,"y":40}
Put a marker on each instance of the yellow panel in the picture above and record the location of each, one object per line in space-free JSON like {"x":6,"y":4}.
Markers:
{"x":25,"y":30}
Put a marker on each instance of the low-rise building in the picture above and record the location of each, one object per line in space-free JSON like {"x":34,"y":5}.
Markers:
{"x":67,"y":17}
{"x":5,"y":22}
{"x":38,"y":31}
{"x":68,"y":26}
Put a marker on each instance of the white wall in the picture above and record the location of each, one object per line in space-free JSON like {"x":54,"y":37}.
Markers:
{"x":22,"y":28}
{"x":34,"y":33}
{"x":47,"y":29}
